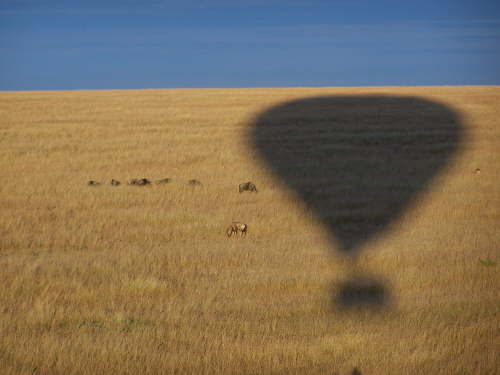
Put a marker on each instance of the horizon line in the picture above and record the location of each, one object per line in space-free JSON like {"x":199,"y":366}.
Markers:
{"x":243,"y":88}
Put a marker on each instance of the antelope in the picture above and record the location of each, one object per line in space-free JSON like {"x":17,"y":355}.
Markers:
{"x":115,"y":182}
{"x":139,"y":181}
{"x":163,"y":181}
{"x":194,"y":183}
{"x":236,"y":227}
{"x":248,"y":186}
{"x":93,"y":183}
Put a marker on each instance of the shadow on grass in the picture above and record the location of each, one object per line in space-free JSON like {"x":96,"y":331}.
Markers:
{"x":358,"y":162}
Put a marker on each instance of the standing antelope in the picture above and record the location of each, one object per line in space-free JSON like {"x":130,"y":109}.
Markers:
{"x":236,"y":227}
{"x":248,"y":186}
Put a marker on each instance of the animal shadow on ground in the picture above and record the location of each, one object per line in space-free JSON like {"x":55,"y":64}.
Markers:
{"x":357,"y":162}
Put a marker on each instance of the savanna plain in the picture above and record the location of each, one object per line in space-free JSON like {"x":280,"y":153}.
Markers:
{"x":143,"y":279}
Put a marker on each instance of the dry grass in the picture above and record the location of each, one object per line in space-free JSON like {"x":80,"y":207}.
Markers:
{"x":142,"y":280}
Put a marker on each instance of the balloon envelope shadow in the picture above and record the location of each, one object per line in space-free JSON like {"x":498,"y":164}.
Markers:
{"x":357,"y":162}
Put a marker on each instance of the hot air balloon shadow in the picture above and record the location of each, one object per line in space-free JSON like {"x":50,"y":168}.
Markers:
{"x":358,"y":162}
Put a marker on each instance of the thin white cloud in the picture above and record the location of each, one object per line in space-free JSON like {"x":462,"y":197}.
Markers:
{"x":410,"y":38}
{"x":151,"y":7}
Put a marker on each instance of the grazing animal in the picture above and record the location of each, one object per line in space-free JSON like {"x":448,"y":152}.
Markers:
{"x":115,"y":182}
{"x":139,"y":181}
{"x":143,"y":181}
{"x":93,"y":183}
{"x":194,"y":182}
{"x":163,"y":181}
{"x":236,"y":227}
{"x":248,"y":186}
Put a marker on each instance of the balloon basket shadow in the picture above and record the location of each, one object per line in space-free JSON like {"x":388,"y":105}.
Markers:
{"x":360,"y":294}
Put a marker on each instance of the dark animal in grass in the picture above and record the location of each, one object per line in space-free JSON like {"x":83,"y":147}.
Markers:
{"x":93,"y":183}
{"x":115,"y":182}
{"x":163,"y":181}
{"x":139,"y":181}
{"x":237,"y":227}
{"x":143,"y":181}
{"x":194,"y":182}
{"x":248,"y":186}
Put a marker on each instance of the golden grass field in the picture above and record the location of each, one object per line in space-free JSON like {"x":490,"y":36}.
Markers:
{"x":142,"y":280}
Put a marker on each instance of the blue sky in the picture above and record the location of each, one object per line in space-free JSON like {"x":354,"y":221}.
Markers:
{"x":68,"y":45}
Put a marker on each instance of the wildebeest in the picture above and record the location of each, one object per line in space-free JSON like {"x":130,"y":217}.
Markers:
{"x":115,"y":182}
{"x":194,"y":182}
{"x":163,"y":181}
{"x":248,"y":186}
{"x":236,"y":227}
{"x":93,"y":183}
{"x":139,"y":181}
